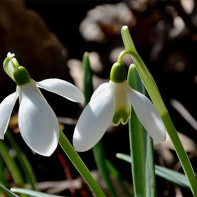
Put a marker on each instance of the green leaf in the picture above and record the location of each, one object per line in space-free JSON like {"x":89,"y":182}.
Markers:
{"x":7,"y":192}
{"x":168,"y":174}
{"x":23,"y":161}
{"x":32,"y":193}
{"x":10,"y":162}
{"x":141,"y":149}
{"x":116,"y":176}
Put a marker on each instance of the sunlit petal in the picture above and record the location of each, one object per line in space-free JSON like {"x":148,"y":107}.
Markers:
{"x":95,"y":119}
{"x":148,"y":115}
{"x":62,"y":88}
{"x":37,"y":121}
{"x":100,"y":90}
{"x":6,"y":108}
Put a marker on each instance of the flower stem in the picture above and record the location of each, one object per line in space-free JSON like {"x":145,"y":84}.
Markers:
{"x":153,"y":91}
{"x":180,"y":152}
{"x":80,"y":166}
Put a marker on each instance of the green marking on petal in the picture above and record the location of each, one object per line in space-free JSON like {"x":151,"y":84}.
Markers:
{"x":121,"y":116}
{"x":123,"y":106}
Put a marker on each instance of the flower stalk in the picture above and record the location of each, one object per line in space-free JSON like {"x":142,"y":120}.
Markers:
{"x":79,"y":165}
{"x":153,"y":91}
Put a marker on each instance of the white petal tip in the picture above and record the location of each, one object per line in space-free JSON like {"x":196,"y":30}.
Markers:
{"x":125,"y":27}
{"x":1,"y":137}
{"x":80,"y":147}
{"x":161,"y":137}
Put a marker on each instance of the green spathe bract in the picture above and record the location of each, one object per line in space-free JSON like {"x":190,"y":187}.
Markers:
{"x":18,"y":73}
{"x":8,"y":66}
{"x":118,"y":73}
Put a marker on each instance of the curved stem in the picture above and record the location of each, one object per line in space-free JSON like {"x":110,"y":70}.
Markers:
{"x":80,"y":166}
{"x":154,"y":93}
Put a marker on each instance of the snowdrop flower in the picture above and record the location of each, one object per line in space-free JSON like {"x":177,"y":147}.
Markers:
{"x":111,"y":103}
{"x":37,"y":121}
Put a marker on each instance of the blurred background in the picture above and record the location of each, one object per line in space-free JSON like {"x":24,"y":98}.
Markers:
{"x":49,"y":38}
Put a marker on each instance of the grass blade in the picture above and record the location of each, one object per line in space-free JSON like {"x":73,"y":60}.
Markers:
{"x":7,"y":192}
{"x":173,"y":176}
{"x":32,"y":193}
{"x":10,"y":162}
{"x":23,"y":161}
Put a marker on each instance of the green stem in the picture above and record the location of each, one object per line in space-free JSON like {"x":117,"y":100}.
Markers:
{"x":80,"y":166}
{"x":158,"y":102}
{"x":153,"y":91}
{"x":180,"y":152}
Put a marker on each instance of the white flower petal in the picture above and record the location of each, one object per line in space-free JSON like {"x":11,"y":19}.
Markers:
{"x":62,"y":88}
{"x":37,"y":121}
{"x":100,"y":90}
{"x":6,"y":108}
{"x":95,"y":118}
{"x":148,"y":115}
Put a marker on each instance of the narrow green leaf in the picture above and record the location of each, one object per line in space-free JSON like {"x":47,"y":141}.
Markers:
{"x":7,"y":192}
{"x":116,"y":176}
{"x":23,"y":161}
{"x":101,"y":164}
{"x":87,"y":78}
{"x":10,"y":162}
{"x":168,"y":174}
{"x":150,"y":168}
{"x":32,"y":193}
{"x":3,"y":180}
{"x":143,"y":171}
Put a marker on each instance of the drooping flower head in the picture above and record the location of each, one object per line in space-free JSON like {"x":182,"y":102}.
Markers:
{"x":37,"y":121}
{"x":111,"y":104}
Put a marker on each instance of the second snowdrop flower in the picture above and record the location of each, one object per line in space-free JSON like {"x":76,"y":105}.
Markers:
{"x":37,"y":121}
{"x":111,"y":103}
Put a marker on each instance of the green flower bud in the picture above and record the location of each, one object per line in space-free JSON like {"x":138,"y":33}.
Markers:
{"x":118,"y":73}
